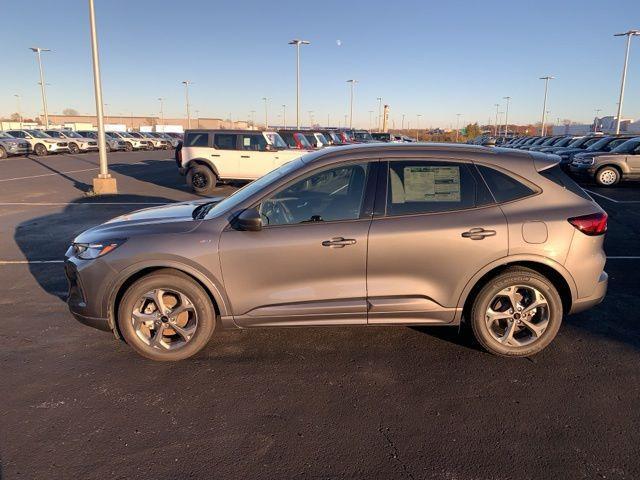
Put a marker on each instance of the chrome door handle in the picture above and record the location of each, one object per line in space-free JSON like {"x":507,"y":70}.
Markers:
{"x":478,"y":233}
{"x":339,"y":242}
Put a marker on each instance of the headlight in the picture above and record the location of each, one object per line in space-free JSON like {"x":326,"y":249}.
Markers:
{"x":89,"y":251}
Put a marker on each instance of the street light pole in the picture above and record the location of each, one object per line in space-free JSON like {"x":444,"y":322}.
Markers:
{"x":266,"y":113}
{"x":104,"y":183}
{"x":457,"y":125}
{"x":544,"y":104}
{"x":495,"y":130}
{"x":379,"y":113}
{"x":161,"y":112}
{"x":402,"y":122}
{"x":352,"y":82}
{"x":595,"y":122}
{"x":284,"y":115}
{"x":297,"y":43}
{"x":19,"y":108}
{"x":418,"y":129}
{"x":38,"y":51}
{"x":253,"y":118}
{"x":506,"y":116}
{"x":628,"y":34}
{"x":310,"y":112}
{"x":186,"y":84}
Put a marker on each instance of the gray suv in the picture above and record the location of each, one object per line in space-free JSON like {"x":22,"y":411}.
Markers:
{"x":376,"y":234}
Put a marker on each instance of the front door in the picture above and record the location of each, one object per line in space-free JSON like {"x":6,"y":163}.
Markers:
{"x":439,"y":226}
{"x":307,"y":266}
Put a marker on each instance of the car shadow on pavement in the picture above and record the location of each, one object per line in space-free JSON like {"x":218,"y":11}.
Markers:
{"x":45,"y":238}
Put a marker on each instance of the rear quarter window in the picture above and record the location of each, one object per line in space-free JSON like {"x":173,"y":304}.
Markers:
{"x":196,"y":139}
{"x":557,"y":176}
{"x":504,"y":188}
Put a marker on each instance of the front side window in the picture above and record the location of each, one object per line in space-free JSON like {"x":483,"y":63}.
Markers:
{"x":330,"y":195}
{"x":276,"y":140}
{"x":17,"y":134}
{"x":196,"y":139}
{"x":225,"y":141}
{"x":55,"y":134}
{"x":419,"y":186}
{"x":504,"y":187}
{"x":38,"y":134}
{"x":253,"y":141}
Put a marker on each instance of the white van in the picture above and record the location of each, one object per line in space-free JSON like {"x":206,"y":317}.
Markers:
{"x":209,"y":156}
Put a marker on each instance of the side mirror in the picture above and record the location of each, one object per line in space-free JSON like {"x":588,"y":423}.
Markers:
{"x":249,"y":220}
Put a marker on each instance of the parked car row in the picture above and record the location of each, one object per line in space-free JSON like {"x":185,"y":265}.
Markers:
{"x":604,"y":159}
{"x":45,"y":142}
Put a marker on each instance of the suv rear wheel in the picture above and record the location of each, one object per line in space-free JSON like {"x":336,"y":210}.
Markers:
{"x":517,"y":313}
{"x":3,"y":152}
{"x":607,"y":176}
{"x":128,"y":146}
{"x":201,"y":179}
{"x":166,"y":316}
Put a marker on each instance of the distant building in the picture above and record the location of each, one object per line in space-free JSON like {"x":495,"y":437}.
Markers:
{"x":145,"y":123}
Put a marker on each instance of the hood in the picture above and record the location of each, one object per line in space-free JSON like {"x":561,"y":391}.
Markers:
{"x":171,"y":218}
{"x":593,"y":154}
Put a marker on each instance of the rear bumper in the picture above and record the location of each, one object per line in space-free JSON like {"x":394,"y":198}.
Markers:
{"x":582,"y":304}
{"x":97,"y":323}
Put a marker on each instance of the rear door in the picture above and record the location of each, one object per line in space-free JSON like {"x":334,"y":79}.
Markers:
{"x":435,"y":228}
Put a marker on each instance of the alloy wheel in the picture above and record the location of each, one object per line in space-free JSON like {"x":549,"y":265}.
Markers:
{"x":608,"y":176}
{"x":517,"y":315}
{"x":165,"y":319}
{"x":199,"y":180}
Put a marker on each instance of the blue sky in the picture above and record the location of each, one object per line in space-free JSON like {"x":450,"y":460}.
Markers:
{"x":430,"y":58}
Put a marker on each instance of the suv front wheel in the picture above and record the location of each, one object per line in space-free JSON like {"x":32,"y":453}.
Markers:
{"x":166,"y":316}
{"x":607,"y":176}
{"x":517,"y":313}
{"x":201,"y":179}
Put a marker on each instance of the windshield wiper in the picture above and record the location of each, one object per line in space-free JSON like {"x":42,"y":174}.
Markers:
{"x":203,"y":209}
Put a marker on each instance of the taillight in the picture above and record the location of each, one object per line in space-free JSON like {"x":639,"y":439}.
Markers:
{"x":593,"y":224}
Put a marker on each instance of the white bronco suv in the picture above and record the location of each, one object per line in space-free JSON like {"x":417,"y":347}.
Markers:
{"x":210,"y":156}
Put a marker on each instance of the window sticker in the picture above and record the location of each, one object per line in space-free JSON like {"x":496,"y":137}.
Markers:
{"x":246,"y":141}
{"x":432,"y":184}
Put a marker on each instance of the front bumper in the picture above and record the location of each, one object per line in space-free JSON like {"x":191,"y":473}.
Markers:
{"x":582,"y":304}
{"x":18,"y":151}
{"x":582,"y":170}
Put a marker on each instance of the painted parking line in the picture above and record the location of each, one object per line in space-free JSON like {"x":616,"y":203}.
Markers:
{"x":114,"y":168}
{"x":611,"y":199}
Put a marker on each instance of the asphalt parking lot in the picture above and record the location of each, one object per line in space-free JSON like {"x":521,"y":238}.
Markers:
{"x":346,"y":402}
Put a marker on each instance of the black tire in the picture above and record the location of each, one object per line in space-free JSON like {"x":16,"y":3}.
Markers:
{"x":202,"y":179}
{"x":107,"y":148}
{"x":73,"y":148}
{"x":608,"y":176}
{"x":175,"y":281}
{"x":128,"y":146}
{"x":522,"y":277}
{"x":3,"y":153}
{"x":40,"y":150}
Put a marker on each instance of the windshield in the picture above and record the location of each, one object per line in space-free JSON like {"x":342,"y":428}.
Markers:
{"x":335,"y":138}
{"x":38,"y":134}
{"x":551,"y":141}
{"x":322,"y":139}
{"x":73,"y":135}
{"x":55,"y":134}
{"x":248,"y":190}
{"x":628,"y":146}
{"x":125,"y":135}
{"x":576,"y":143}
{"x":275,"y":140}
{"x":5,"y":135}
{"x":363,"y":136}
{"x":303,"y":140}
{"x":564,"y":142}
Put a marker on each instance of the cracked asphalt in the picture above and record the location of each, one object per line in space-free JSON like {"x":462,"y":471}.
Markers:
{"x":348,"y":402}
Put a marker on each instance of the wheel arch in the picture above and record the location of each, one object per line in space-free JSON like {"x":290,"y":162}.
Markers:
{"x":205,"y":163}
{"x":130,"y":276}
{"x":553,"y":271}
{"x":621,"y":167}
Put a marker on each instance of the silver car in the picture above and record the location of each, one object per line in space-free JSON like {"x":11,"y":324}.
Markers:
{"x":10,"y":145}
{"x":379,"y":234}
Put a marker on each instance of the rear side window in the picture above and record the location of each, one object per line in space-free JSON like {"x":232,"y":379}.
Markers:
{"x":557,"y":176}
{"x":504,"y":187}
{"x":416,"y":186}
{"x":253,"y":141}
{"x":196,"y":139}
{"x":225,"y":141}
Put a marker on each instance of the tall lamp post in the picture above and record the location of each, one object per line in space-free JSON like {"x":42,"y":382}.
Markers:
{"x":544,"y":104}
{"x":506,"y":116}
{"x":38,"y":51}
{"x":629,"y":34}
{"x":253,"y":118}
{"x":186,"y":84}
{"x":379,"y":113}
{"x":418,"y":127}
{"x":402,"y":122}
{"x":284,"y":115}
{"x":310,"y":112}
{"x":266,"y":112}
{"x":161,"y":100}
{"x":457,"y":125}
{"x":19,"y":108}
{"x":495,"y":130}
{"x":352,"y":82}
{"x":595,"y":122}
{"x":297,"y":43}
{"x":104,"y":183}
